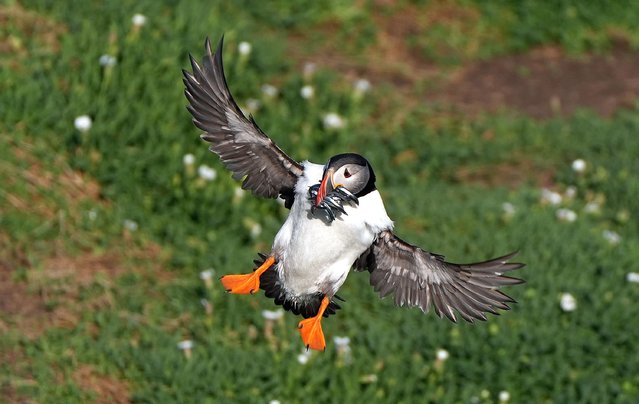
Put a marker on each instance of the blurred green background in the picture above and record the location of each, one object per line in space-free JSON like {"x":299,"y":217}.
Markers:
{"x":492,"y":126}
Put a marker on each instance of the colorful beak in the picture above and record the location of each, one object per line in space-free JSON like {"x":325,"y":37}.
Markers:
{"x":326,"y":186}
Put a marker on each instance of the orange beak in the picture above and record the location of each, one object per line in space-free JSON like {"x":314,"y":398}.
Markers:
{"x":325,"y":187}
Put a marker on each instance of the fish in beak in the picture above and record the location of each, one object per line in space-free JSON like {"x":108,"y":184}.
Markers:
{"x":330,"y":197}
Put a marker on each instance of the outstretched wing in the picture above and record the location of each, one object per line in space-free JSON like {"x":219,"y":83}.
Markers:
{"x":242,"y":146}
{"x":418,"y":278}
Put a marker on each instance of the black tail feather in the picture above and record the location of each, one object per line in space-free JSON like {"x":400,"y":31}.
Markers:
{"x":305,"y":305}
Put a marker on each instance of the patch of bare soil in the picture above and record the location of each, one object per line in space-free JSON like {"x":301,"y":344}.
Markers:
{"x":511,"y":174}
{"x":106,"y":389}
{"x":50,"y":296}
{"x":545,"y":82}
{"x":541,"y":83}
{"x":22,"y":29}
{"x":390,"y":59}
{"x":48,"y":292}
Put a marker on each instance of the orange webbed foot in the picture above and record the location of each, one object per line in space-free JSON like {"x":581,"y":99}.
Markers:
{"x":248,"y":283}
{"x":311,"y":329}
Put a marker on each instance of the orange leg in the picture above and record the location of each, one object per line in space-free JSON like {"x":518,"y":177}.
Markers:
{"x":249,"y":283}
{"x":311,"y":329}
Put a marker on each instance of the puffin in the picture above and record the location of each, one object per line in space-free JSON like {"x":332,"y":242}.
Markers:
{"x":337,"y":222}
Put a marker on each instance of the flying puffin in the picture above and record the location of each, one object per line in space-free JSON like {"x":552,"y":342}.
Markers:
{"x":337,"y":221}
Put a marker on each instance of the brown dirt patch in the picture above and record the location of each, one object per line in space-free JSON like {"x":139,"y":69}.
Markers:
{"x":8,"y":390}
{"x":541,"y":83}
{"x":106,"y":389}
{"x":50,"y":296}
{"x":23,"y":32}
{"x":511,"y":174}
{"x":38,"y":182}
{"x":545,"y":82}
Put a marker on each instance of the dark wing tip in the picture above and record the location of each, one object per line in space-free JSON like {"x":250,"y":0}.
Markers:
{"x":468,"y":290}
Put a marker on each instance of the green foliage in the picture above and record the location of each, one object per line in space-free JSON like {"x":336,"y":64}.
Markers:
{"x":452,"y":32}
{"x":135,"y":150}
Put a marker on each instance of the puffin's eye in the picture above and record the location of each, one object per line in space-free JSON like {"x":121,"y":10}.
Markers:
{"x":346,"y":173}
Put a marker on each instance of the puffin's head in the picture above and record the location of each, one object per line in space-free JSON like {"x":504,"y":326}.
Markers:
{"x":348,"y":172}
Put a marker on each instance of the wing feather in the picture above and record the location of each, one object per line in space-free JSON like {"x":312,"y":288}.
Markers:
{"x":421,"y":279}
{"x":237,"y":140}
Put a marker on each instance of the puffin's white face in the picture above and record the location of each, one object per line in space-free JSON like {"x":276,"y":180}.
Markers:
{"x":353,"y":177}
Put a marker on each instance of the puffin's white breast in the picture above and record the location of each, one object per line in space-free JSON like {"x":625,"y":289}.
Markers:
{"x":315,"y":255}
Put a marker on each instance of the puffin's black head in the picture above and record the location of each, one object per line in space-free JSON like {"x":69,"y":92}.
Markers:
{"x":348,"y":171}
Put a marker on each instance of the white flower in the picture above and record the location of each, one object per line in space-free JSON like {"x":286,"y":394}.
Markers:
{"x":207,"y":274}
{"x":207,"y":277}
{"x":579,"y":166}
{"x":92,"y":215}
{"x":252,"y":105}
{"x":108,"y":61}
{"x":304,"y":356}
{"x":592,"y":207}
{"x":244,"y":48}
{"x":508,"y":208}
{"x":362,"y":86}
{"x":274,"y":402}
{"x":239,"y":193}
{"x":566,"y":215}
{"x":206,"y":173}
{"x":130,"y":225}
{"x":333,"y":121}
{"x":138,"y":20}
{"x":551,"y":197}
{"x":307,"y":92}
{"x":272,"y":315}
{"x":370,"y":378}
{"x":442,"y":354}
{"x":611,"y":236}
{"x":568,"y":302}
{"x":504,"y":396}
{"x":83,"y":123}
{"x":571,"y":192}
{"x":188,"y":159}
{"x":269,"y":90}
{"x":256,"y":230}
{"x":632,"y":277}
{"x":342,"y":342}
{"x":185,"y":345}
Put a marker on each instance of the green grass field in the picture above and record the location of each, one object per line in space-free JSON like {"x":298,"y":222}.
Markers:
{"x":104,"y":232}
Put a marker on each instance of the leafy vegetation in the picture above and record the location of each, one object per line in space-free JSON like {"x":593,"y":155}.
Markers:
{"x":105,"y":228}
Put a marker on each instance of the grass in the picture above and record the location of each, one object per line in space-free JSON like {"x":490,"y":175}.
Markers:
{"x":104,"y":233}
